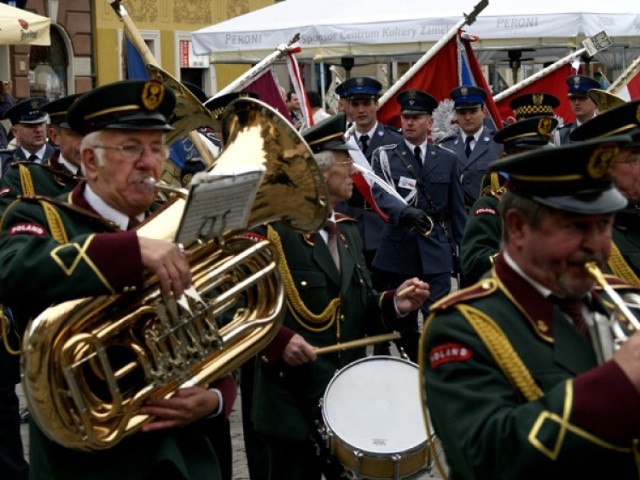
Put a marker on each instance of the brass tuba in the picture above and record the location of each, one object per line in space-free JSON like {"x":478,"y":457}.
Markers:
{"x":88,"y":365}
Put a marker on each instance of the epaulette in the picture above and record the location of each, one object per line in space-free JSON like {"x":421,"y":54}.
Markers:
{"x":482,"y":288}
{"x":446,"y":139}
{"x":341,"y":217}
{"x":446,"y":149}
{"x":393,"y":129}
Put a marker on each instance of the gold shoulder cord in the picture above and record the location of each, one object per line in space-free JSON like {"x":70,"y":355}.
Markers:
{"x":502,"y":351}
{"x":26,"y":181}
{"x":298,"y":309}
{"x":56,"y":227}
{"x":620,"y":268}
{"x":58,"y":232}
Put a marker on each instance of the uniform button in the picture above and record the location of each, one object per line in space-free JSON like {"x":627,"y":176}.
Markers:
{"x":303,"y":283}
{"x":342,"y":318}
{"x":264,"y":359}
{"x":486,"y":285}
{"x":281,"y":375}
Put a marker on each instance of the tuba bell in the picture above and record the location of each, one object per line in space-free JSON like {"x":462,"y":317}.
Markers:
{"x":88,"y":365}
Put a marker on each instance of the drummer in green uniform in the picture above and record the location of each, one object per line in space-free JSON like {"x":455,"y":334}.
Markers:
{"x":55,"y":175}
{"x":509,"y":372}
{"x":330,"y":299}
{"x":624,"y":261}
{"x":82,"y":244}
{"x":483,"y":230}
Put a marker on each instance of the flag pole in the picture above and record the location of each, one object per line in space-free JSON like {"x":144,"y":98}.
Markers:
{"x":591,"y":46}
{"x":138,"y":42}
{"x":625,"y":77}
{"x":467,"y":20}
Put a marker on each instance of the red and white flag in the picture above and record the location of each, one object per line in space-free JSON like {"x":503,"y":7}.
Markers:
{"x":554,"y":83}
{"x":453,"y":65}
{"x":631,"y":91}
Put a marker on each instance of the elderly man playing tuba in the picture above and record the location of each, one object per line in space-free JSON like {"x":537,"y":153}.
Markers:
{"x":82,"y":245}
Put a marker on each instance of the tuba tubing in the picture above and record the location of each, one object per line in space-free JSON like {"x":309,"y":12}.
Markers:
{"x":88,"y":365}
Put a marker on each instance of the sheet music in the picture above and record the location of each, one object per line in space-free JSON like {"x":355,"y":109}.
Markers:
{"x":217,"y":204}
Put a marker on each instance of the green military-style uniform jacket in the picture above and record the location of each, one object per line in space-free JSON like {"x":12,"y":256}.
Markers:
{"x":79,"y":254}
{"x":286,"y":398}
{"x":625,"y":255}
{"x":50,"y":179}
{"x":530,"y":404}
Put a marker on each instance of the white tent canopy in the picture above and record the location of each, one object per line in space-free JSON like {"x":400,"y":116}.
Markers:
{"x":378,"y":29}
{"x":19,"y":27}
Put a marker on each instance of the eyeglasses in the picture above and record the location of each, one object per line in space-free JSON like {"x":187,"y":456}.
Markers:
{"x":134,"y":151}
{"x":348,"y":163}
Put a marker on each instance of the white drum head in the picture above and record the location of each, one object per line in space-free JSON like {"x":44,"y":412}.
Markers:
{"x":374,"y":405}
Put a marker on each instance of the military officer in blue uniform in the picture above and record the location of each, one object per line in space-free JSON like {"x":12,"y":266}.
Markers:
{"x":82,"y":245}
{"x":582,"y":106}
{"x":473,"y":145}
{"x":28,"y":125}
{"x":426,"y":176}
{"x":483,"y":231}
{"x":362,"y":95}
{"x":534,"y":104}
{"x":509,"y":372}
{"x":624,"y":261}
{"x":330,"y":299}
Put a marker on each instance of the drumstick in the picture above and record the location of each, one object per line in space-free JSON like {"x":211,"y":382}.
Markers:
{"x":361,"y":342}
{"x":404,"y":291}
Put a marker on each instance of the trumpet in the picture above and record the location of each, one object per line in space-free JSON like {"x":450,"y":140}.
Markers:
{"x":622,"y":321}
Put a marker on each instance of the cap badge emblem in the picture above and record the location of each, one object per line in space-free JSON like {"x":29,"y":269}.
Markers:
{"x":538,"y":98}
{"x":464,"y":91}
{"x":152,"y":95}
{"x":601,"y":160}
{"x":544,"y":126}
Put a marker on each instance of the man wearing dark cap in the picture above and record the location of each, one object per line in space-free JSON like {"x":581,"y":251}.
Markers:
{"x":624,"y":261}
{"x":483,"y":231}
{"x":83,"y":244}
{"x":582,"y":106}
{"x":511,"y":378}
{"x":28,"y":125}
{"x":534,"y":104}
{"x":426,"y":177}
{"x":330,"y":299}
{"x":473,"y":145}
{"x":362,"y":95}
{"x":57,"y":175}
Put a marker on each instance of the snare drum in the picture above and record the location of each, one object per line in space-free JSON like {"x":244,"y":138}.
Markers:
{"x":373,"y":418}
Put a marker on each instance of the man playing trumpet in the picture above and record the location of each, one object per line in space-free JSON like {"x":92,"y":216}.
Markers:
{"x":510,"y":374}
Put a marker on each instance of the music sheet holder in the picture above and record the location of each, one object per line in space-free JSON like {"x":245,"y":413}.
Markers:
{"x":217,"y":204}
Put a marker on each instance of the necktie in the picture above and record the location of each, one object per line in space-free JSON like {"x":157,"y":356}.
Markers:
{"x":33,"y":157}
{"x":467,"y":145}
{"x":417,"y":152}
{"x":332,"y":241}
{"x":573,"y":308}
{"x":133,"y":223}
{"x":364,"y":142}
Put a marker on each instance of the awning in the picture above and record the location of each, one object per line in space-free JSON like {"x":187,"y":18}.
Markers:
{"x":19,"y":27}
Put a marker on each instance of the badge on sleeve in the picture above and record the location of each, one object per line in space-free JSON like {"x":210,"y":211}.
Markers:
{"x":27,"y":229}
{"x":449,"y":352}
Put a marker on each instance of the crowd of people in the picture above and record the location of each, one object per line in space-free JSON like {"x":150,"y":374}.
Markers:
{"x":510,"y":369}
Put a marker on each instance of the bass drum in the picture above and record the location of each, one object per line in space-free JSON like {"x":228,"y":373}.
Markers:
{"x":373,"y":420}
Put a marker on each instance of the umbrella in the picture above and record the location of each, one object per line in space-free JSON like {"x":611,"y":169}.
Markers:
{"x":19,"y":27}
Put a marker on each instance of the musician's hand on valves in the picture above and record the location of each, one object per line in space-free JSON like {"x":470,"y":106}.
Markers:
{"x":411,"y":295}
{"x":298,"y":351}
{"x":416,"y":218}
{"x":185,"y":406}
{"x":628,"y":359}
{"x":169,"y":262}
